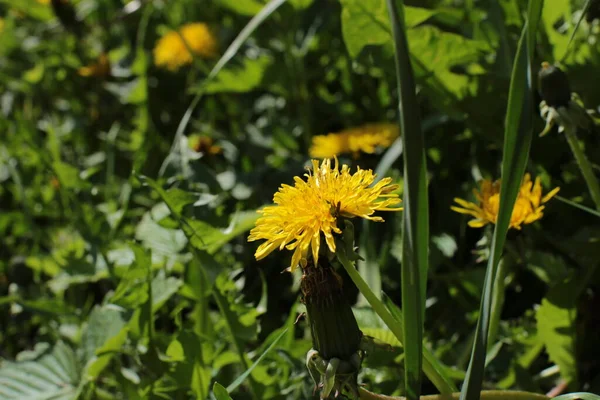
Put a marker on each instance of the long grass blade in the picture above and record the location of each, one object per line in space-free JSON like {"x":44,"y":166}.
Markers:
{"x":583,"y":12}
{"x":415,"y":241}
{"x":578,"y":396}
{"x":517,"y":142}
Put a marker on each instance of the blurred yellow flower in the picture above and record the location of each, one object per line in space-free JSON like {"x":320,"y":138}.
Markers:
{"x":100,"y":69}
{"x":172,"y":53}
{"x":310,"y":208}
{"x":528,"y":206}
{"x":45,"y":2}
{"x":366,"y":138}
{"x":1,"y":24}
{"x":204,"y":144}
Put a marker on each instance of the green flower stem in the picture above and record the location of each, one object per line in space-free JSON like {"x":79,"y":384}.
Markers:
{"x":441,"y":383}
{"x":485,"y":395}
{"x":584,"y":166}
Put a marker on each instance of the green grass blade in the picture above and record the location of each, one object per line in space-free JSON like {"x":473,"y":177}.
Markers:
{"x":415,"y":242}
{"x":577,"y":205}
{"x":583,"y":12}
{"x":578,"y":396}
{"x":240,"y":379}
{"x":517,"y":142}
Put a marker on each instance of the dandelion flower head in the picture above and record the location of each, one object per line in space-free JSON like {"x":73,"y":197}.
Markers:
{"x":171,"y":52}
{"x":310,"y":209}
{"x":365,"y":138}
{"x":528,"y":207}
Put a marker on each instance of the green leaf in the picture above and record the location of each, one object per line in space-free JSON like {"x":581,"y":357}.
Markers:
{"x":204,"y":236}
{"x":240,"y":79}
{"x":243,"y":7}
{"x":68,"y":175}
{"x":415,"y":243}
{"x":52,"y":375}
{"x":366,"y":22}
{"x":556,"y":328}
{"x":220,"y":392}
{"x":190,"y":370}
{"x":239,"y":318}
{"x":104,"y":324}
{"x":439,"y":52}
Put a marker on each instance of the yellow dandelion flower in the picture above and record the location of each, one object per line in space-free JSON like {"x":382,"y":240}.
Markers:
{"x":171,"y":52}
{"x":366,"y":138}
{"x":204,"y":144}
{"x":310,"y":208}
{"x":100,"y":68}
{"x":528,"y":206}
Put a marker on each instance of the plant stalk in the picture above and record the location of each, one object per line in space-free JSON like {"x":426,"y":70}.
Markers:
{"x":584,"y":166}
{"x":440,"y":382}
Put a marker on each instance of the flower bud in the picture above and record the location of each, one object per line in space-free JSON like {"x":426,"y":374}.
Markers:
{"x":333,"y":327}
{"x":554,"y":86}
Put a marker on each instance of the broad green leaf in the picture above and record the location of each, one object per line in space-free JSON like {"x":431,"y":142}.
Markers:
{"x":32,"y":8}
{"x":240,"y":79}
{"x":366,"y":22}
{"x":35,"y":74}
{"x":300,"y":4}
{"x":68,"y":175}
{"x":438,"y":52}
{"x":220,"y":392}
{"x":239,"y":318}
{"x":163,"y":288}
{"x":190,"y":371}
{"x":556,"y":328}
{"x":163,"y":241}
{"x":382,"y":335}
{"x":52,"y":375}
{"x":243,"y":7}
{"x":103,"y":323}
{"x":206,"y":237}
{"x":554,"y":19}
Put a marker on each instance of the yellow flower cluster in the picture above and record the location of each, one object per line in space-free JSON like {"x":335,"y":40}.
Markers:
{"x":528,"y":206}
{"x":171,"y":52}
{"x":365,"y":138}
{"x":311,"y":207}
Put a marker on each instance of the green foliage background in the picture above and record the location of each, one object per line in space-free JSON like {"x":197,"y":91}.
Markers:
{"x":124,"y":267}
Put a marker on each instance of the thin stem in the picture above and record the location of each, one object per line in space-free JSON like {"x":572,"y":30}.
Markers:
{"x":485,"y":395}
{"x":394,"y":325}
{"x":497,"y":302}
{"x":584,"y":166}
